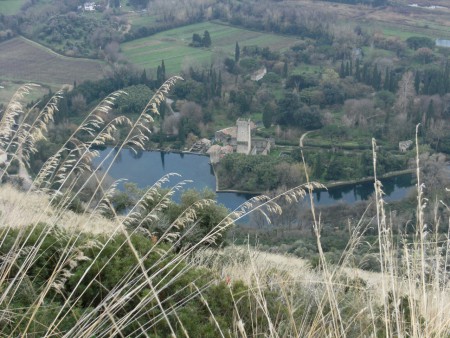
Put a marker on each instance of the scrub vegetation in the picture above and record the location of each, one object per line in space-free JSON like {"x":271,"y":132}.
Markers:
{"x":81,"y":258}
{"x":72,"y":266}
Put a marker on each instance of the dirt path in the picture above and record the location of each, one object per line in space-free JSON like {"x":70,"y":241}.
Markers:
{"x":303,"y":137}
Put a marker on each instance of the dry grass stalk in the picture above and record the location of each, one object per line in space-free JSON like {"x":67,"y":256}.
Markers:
{"x":323,"y":306}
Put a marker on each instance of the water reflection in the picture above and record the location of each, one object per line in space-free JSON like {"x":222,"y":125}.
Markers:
{"x":163,"y":155}
{"x":142,"y":168}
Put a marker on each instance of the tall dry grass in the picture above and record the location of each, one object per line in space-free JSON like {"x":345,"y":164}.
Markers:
{"x":282,"y":297}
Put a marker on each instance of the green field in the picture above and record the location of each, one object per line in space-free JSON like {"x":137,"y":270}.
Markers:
{"x":22,"y":60}
{"x":10,"y":7}
{"x":172,"y":46}
{"x":140,"y":19}
{"x":8,"y":88}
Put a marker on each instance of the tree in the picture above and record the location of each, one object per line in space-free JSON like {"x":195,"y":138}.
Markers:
{"x":357,"y":71}
{"x":196,"y":40}
{"x":237,"y":53}
{"x":161,"y":73}
{"x":163,"y":70}
{"x":417,"y":82}
{"x":135,"y":101}
{"x":329,"y":76}
{"x":386,"y":79}
{"x":78,"y":103}
{"x":219,"y":85}
{"x":206,"y":41}
{"x":144,"y":79}
{"x":162,"y":114}
{"x":63,"y":110}
{"x":285,"y":69}
{"x":429,"y":114}
{"x":230,"y":65}
{"x":405,"y":95}
{"x":424,"y":55}
{"x":159,"y":76}
{"x":376,"y":78}
{"x":267,"y":115}
{"x":342,"y":70}
{"x":416,"y":42}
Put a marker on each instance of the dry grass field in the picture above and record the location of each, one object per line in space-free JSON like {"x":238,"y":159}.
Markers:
{"x":398,"y":19}
{"x":26,"y":61}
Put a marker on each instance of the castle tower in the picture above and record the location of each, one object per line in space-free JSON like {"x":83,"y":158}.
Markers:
{"x":244,"y":137}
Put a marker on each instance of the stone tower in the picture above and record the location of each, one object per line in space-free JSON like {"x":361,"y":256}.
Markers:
{"x":243,"y":137}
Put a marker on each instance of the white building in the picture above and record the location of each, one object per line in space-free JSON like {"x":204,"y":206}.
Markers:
{"x":89,"y":6}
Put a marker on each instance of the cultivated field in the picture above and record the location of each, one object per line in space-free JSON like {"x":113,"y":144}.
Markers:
{"x":25,"y":61}
{"x":173,"y":45}
{"x":10,"y":7}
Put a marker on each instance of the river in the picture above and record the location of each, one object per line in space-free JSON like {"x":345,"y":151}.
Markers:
{"x":145,"y":168}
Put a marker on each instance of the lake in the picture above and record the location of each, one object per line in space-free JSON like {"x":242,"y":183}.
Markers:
{"x":146,"y":167}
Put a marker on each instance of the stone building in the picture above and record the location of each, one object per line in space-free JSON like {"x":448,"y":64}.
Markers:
{"x":259,"y":74}
{"x":216,"y":152}
{"x":404,"y":145}
{"x":240,"y":140}
{"x":243,"y":136}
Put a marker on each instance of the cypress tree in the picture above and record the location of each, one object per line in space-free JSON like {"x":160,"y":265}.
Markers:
{"x":446,"y":82}
{"x":364,"y":75}
{"x":237,"y":53}
{"x":430,"y":114}
{"x":163,"y":71}
{"x":342,"y":71}
{"x":159,"y":76}
{"x":392,"y":82}
{"x":375,"y":79}
{"x":386,"y":79}
{"x":206,"y":41}
{"x":417,"y":82}
{"x":214,"y":83}
{"x":63,"y":109}
{"x":144,"y":79}
{"x":267,"y":116}
{"x":285,"y":69}
{"x":347,"y":69}
{"x":357,"y":71}
{"x":219,"y":85}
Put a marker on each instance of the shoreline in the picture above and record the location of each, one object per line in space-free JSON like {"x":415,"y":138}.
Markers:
{"x":333,"y":184}
{"x":327,"y":186}
{"x":370,"y":178}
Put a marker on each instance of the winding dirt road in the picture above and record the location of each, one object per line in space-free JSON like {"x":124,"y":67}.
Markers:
{"x":303,"y":137}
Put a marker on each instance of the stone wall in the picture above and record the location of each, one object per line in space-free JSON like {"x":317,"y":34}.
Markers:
{"x":244,"y":137}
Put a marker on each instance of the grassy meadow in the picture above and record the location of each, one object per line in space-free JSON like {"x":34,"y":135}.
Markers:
{"x":140,"y":19}
{"x":11,"y":7}
{"x":172,"y":46}
{"x":22,"y":60}
{"x":8,"y":88}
